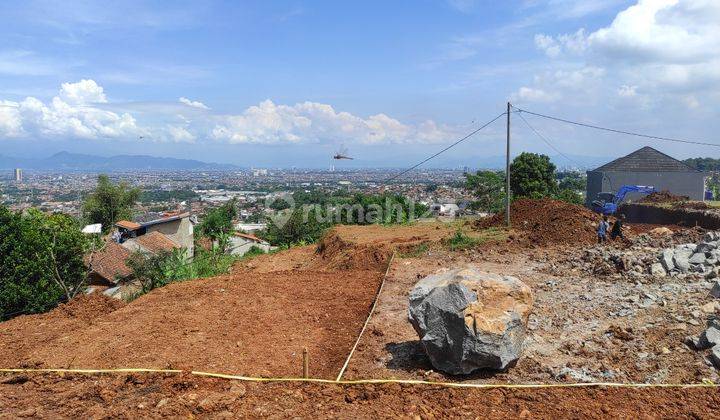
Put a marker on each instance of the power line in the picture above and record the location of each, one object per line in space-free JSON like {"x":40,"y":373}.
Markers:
{"x":543,"y":138}
{"x":443,"y":150}
{"x":613,"y":130}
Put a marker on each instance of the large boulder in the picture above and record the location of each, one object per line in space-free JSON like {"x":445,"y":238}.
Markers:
{"x":469,"y":319}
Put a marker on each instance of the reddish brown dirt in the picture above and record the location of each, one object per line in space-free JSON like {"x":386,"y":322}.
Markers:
{"x":134,"y":396}
{"x":246,"y":324}
{"x":547,"y":221}
{"x":255,"y":321}
{"x":351,"y":247}
{"x":663,"y":197}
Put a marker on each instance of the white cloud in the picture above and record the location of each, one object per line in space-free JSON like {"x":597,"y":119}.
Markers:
{"x":81,"y":111}
{"x":572,"y":83}
{"x":666,"y":48}
{"x":627,"y":91}
{"x":10,"y":122}
{"x":194,"y":104}
{"x":70,"y":114}
{"x":534,"y":95}
{"x":83,"y":92}
{"x":180,"y":134}
{"x":311,"y":122}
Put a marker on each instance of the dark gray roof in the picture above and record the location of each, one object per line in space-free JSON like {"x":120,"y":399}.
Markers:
{"x":646,"y":159}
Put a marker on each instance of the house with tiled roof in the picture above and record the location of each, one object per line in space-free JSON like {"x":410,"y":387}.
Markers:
{"x":650,"y":167}
{"x":107,"y":265}
{"x":173,"y":230}
{"x":241,"y":243}
{"x":152,"y":243}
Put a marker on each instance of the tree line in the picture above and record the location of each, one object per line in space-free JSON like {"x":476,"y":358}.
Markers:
{"x":532,"y":176}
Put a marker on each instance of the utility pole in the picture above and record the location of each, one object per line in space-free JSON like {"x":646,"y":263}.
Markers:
{"x":507,"y":170}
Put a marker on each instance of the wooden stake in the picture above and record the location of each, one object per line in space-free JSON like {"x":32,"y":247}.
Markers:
{"x":306,"y":363}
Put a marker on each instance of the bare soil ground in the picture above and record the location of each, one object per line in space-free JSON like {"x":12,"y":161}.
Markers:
{"x":141,"y":396}
{"x":256,"y":321}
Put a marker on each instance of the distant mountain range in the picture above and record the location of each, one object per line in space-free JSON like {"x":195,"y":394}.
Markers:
{"x":66,"y":161}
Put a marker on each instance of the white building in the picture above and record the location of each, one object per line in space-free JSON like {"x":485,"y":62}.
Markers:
{"x":240,"y":244}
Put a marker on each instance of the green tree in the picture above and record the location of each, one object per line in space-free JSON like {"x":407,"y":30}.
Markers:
{"x":569,"y":196}
{"x":41,"y":261}
{"x":532,"y":176}
{"x":571,"y":181}
{"x":301,"y":227}
{"x":489,"y":189}
{"x":109,"y":202}
{"x":218,"y":222}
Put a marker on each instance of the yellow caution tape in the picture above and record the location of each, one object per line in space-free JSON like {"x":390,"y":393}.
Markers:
{"x":705,"y":384}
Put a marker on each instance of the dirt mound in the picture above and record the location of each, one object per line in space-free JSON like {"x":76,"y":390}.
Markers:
{"x":692,"y":205}
{"x":547,"y":221}
{"x":88,"y":307}
{"x":663,"y":196}
{"x":337,"y":253}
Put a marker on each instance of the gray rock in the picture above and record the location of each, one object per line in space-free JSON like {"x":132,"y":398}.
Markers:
{"x":706,"y":246}
{"x":708,"y":338}
{"x":711,"y":236}
{"x":715,"y":356}
{"x":697,"y":258}
{"x":681,"y":261}
{"x":715,"y":291}
{"x":693,"y":342}
{"x":468,"y":319}
{"x":657,"y":270}
{"x":666,"y":259}
{"x":685,"y":248}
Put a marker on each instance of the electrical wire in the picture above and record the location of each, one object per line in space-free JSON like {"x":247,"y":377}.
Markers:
{"x":613,"y":130}
{"x":543,"y":138}
{"x":444,"y":150}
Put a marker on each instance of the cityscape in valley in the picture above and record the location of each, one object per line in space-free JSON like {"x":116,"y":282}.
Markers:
{"x":164,"y":191}
{"x":332,"y":209}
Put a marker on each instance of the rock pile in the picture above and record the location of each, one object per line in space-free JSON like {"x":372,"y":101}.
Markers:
{"x":687,"y":253}
{"x":703,"y":258}
{"x":468,"y":319}
{"x":709,"y":339}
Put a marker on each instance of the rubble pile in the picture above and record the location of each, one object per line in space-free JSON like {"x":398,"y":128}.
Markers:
{"x":709,"y":339}
{"x":653,"y":255}
{"x":703,"y":258}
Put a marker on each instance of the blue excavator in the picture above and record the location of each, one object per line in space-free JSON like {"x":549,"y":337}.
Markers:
{"x":607,"y":202}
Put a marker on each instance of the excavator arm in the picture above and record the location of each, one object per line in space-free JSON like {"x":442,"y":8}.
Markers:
{"x":622,"y":192}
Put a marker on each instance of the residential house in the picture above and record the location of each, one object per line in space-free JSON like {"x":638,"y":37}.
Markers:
{"x":648,"y":167}
{"x":241,"y":243}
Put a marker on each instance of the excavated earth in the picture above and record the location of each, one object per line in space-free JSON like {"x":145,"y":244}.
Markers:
{"x":257,"y":320}
{"x":143,"y":396}
{"x":254,"y":322}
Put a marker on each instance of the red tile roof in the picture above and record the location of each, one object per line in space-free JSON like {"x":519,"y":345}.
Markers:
{"x":250,"y":237}
{"x":156,"y":242}
{"x":109,"y":262}
{"x":128,"y":224}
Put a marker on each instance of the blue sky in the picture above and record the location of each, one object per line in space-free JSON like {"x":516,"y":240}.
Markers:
{"x":270,"y":83}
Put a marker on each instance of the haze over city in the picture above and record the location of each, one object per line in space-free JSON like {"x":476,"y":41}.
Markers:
{"x":288,"y":84}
